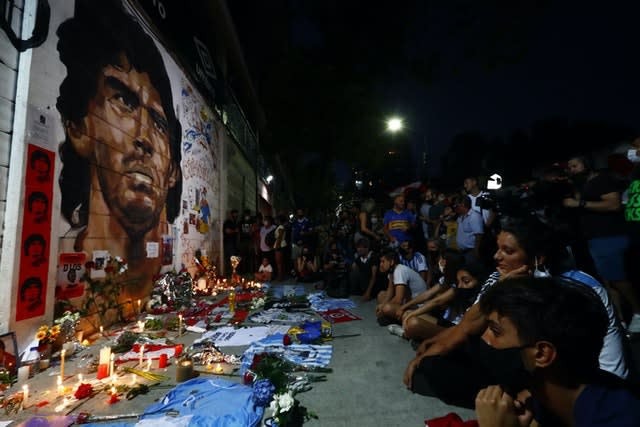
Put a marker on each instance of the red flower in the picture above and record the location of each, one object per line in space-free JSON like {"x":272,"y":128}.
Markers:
{"x":108,"y":269}
{"x":286,"y":340}
{"x":84,"y":390}
{"x":248,"y":378}
{"x":257,"y":358}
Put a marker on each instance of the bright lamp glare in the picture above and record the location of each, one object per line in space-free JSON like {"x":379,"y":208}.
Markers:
{"x":394,"y":124}
{"x":269,"y":179}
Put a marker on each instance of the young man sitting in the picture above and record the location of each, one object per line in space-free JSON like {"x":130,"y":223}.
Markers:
{"x":549,"y":336}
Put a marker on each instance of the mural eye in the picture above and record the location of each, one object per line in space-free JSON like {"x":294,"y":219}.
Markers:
{"x":123,"y":103}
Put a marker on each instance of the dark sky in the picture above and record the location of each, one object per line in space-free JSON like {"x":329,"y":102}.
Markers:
{"x":581,"y":61}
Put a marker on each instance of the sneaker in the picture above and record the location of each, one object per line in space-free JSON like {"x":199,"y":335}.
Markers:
{"x":396,"y":330}
{"x":634,"y":325}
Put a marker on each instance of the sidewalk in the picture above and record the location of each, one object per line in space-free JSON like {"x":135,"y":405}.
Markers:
{"x":365,"y":388}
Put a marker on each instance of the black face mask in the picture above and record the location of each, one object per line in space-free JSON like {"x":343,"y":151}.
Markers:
{"x":506,"y":367}
{"x":466,"y":294}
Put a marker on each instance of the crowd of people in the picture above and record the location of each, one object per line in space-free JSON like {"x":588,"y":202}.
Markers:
{"x":507,"y":298}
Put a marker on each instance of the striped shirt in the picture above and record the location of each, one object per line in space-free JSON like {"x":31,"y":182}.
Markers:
{"x":418,"y":263}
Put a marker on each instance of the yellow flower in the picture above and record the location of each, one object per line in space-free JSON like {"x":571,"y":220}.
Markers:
{"x":41,"y":335}
{"x":55,"y":329}
{"x":43,"y":328}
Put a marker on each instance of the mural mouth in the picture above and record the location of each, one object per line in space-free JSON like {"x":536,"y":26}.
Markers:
{"x":140,"y":177}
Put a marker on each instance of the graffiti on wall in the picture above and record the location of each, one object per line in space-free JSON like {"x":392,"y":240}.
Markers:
{"x":36,"y":232}
{"x":139,"y":169}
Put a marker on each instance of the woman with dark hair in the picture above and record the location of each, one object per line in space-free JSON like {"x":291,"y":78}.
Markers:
{"x":455,"y":364}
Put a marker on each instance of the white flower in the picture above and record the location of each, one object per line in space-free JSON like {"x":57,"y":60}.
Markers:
{"x":273,"y":406}
{"x":285,"y":401}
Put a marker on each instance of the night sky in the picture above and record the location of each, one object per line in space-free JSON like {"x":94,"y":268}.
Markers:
{"x":576,"y":60}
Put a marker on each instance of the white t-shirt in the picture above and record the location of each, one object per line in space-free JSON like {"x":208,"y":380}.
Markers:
{"x":403,"y":275}
{"x":265,"y":268}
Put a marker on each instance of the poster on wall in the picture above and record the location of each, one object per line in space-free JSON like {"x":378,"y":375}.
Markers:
{"x":71,"y":267}
{"x":36,"y":232}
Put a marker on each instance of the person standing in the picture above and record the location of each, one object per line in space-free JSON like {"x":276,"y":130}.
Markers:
{"x":397,"y":222}
{"x":266,"y":246}
{"x":598,"y":201}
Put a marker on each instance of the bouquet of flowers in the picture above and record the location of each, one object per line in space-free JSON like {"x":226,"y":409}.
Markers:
{"x":275,"y":382}
{"x":48,"y":335}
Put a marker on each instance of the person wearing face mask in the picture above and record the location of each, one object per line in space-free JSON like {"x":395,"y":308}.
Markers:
{"x":446,"y":305}
{"x":598,"y":203}
{"x":548,"y":373}
{"x":445,"y":365}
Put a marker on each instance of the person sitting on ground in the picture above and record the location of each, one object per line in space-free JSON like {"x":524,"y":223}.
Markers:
{"x":444,"y":365}
{"x":335,"y":272}
{"x":435,"y":246}
{"x":420,"y":324}
{"x":432,"y":298}
{"x":265,"y":271}
{"x":548,"y":336}
{"x":404,"y":284}
{"x":364,"y":278}
{"x":414,"y":260}
{"x":307,"y":267}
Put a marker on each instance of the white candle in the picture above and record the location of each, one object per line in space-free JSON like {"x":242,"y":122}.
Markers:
{"x":139,"y":306}
{"x":25,"y":395}
{"x":101,"y":330}
{"x":64,"y":404}
{"x":141,"y":354}
{"x":62,"y":353}
{"x":23,"y":374}
{"x":105,"y":355}
{"x":79,"y":378}
{"x":140,"y":326}
{"x":60,"y":387}
{"x":111,"y":370}
{"x":148,"y":364}
{"x":180,"y":325}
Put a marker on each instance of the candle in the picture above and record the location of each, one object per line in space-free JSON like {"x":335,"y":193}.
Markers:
{"x":23,"y":374}
{"x":111,"y":370}
{"x":141,"y":354}
{"x":162,"y":362}
{"x":218,"y":369}
{"x":139,"y":306}
{"x":79,"y":379}
{"x":60,"y":387}
{"x":64,"y":404}
{"x":103,"y":371}
{"x":140,"y":326}
{"x":101,"y":330}
{"x":184,"y":371}
{"x":179,"y":325}
{"x":62,"y":353}
{"x":85,"y":342}
{"x":25,"y":395}
{"x":105,"y":355}
{"x":148,"y":368}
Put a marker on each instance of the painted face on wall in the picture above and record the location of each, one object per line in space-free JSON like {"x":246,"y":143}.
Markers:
{"x":132,"y":154}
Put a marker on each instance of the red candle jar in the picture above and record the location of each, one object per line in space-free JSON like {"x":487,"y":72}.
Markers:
{"x":178,"y":350}
{"x":162,"y":363}
{"x":103,"y":371}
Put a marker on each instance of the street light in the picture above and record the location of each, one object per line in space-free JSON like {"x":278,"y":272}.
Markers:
{"x":394,"y":124}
